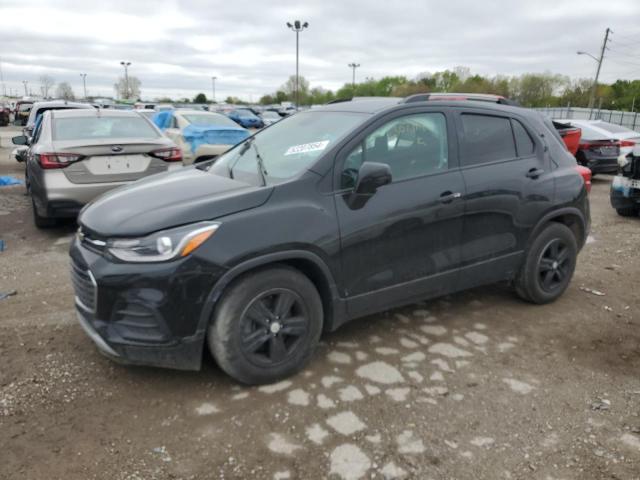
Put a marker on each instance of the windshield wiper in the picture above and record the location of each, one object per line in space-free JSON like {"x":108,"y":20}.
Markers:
{"x":261,"y":168}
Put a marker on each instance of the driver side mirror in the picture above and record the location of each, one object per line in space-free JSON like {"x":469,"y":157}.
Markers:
{"x":371,"y":176}
{"x":20,"y":140}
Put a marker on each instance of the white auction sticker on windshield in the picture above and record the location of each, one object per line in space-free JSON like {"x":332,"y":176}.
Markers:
{"x":307,"y":147}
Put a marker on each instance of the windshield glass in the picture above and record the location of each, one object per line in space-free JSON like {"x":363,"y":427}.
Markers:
{"x":209,"y":119}
{"x":273,"y":115}
{"x":78,"y":128}
{"x":288,"y":147}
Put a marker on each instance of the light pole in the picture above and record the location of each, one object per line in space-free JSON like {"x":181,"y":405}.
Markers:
{"x":213,"y":89}
{"x":84,"y":84}
{"x":353,"y":66}
{"x":297,"y":27}
{"x":25,"y":83}
{"x":126,"y":78}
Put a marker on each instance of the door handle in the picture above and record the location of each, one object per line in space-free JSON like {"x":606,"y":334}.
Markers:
{"x":448,"y":196}
{"x":535,"y":173}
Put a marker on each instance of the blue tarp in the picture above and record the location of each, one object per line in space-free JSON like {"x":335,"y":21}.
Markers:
{"x":6,"y":180}
{"x":197,"y":135}
{"x":163,"y":119}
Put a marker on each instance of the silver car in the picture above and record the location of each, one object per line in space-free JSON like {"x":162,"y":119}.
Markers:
{"x":76,"y":155}
{"x":39,"y":108}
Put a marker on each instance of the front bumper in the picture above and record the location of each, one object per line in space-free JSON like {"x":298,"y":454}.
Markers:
{"x":143,"y":314}
{"x":624,"y":193}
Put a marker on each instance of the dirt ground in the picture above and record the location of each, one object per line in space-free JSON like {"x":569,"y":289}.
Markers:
{"x":477,"y":385}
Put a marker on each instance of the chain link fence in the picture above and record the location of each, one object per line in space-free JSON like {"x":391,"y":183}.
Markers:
{"x":626,"y":119}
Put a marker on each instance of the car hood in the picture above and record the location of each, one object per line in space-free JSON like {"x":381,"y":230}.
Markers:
{"x":168,"y":200}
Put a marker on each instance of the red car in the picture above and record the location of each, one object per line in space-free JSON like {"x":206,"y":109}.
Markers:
{"x":5,"y":114}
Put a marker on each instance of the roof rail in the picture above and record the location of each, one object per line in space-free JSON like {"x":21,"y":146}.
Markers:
{"x":339,"y":100}
{"x":417,"y":97}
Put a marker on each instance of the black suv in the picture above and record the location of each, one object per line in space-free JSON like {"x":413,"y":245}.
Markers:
{"x":328,"y":215}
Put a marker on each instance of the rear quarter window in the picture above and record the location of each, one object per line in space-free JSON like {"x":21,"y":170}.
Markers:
{"x":524,"y":142}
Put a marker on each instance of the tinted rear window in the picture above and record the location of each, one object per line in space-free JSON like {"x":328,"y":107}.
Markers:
{"x":589,"y":133}
{"x":486,"y":139}
{"x":80,"y":128}
{"x":610,"y":127}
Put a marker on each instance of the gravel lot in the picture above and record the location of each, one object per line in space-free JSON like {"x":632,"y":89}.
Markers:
{"x":473,"y":386}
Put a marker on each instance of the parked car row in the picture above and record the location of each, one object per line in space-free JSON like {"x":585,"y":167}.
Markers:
{"x":602,"y":144}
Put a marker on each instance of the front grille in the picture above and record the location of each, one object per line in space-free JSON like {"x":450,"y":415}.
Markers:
{"x":84,"y":285}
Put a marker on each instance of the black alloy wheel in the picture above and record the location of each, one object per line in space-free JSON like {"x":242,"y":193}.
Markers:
{"x":272,"y":326}
{"x":553,"y":265}
{"x":266,"y":325}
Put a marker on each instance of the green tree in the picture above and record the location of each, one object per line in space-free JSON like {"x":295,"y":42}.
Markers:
{"x":200,"y":98}
{"x":64,"y":91}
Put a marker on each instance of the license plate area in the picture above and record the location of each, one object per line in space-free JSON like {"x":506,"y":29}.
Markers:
{"x":609,"y":150}
{"x":115,"y":164}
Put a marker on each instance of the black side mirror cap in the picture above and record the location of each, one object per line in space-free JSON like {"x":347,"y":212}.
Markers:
{"x":20,"y":140}
{"x":371,"y":176}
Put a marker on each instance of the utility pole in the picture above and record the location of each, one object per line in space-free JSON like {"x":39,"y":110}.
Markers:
{"x":297,"y":27}
{"x":126,"y":78}
{"x":84,"y":84}
{"x":592,"y":98}
{"x":213,"y":89}
{"x":353,"y":65}
{"x":25,"y":83}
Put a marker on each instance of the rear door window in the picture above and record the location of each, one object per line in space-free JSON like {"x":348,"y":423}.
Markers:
{"x":486,"y":138}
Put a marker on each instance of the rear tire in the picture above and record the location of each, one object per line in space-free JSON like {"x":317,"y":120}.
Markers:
{"x":40,"y":221}
{"x":266,"y":326}
{"x":627,"y":211}
{"x":548,"y":266}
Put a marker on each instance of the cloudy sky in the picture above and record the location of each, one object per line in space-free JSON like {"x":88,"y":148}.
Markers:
{"x":176,"y":46}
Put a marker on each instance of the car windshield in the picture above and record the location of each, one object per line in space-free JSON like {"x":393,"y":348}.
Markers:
{"x":25,"y":107}
{"x":288,"y":147}
{"x":270,"y":115}
{"x":95,"y":127}
{"x":209,"y":119}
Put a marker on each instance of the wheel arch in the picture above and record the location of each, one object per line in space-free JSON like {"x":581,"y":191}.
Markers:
{"x":571,"y":217}
{"x":308,"y":263}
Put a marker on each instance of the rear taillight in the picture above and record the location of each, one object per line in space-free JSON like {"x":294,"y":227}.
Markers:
{"x":627,"y":143}
{"x":57,"y":160}
{"x":586,"y":176}
{"x":593,"y":145}
{"x":168,"y":154}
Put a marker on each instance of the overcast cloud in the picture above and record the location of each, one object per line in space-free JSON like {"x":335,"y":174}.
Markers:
{"x":175,"y":47}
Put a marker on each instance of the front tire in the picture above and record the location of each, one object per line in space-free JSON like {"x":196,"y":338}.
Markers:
{"x":549,"y":265}
{"x":266,"y":326}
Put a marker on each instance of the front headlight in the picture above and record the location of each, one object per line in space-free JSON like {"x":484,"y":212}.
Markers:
{"x":164,"y":245}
